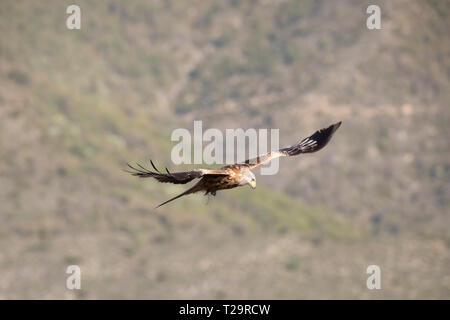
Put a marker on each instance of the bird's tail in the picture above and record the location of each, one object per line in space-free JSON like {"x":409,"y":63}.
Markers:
{"x":194,"y":189}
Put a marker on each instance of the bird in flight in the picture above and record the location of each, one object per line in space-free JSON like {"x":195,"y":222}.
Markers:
{"x":235,"y":175}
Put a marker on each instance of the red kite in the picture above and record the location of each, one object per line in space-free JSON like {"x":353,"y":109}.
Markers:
{"x":235,"y":175}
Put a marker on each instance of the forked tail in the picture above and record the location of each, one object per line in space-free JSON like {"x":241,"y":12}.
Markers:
{"x":188,"y":191}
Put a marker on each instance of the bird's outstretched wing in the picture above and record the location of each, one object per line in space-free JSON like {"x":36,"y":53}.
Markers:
{"x":313,"y":143}
{"x":175,"y":177}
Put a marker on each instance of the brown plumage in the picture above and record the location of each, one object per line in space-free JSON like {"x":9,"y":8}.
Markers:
{"x":234,"y":175}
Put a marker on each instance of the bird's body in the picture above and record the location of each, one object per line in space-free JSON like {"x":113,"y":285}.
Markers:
{"x":235,"y":175}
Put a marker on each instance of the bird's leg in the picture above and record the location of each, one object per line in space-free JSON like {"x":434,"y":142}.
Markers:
{"x":213,"y":193}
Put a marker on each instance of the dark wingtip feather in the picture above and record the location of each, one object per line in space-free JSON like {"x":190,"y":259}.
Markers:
{"x":153,"y":165}
{"x":145,"y":169}
{"x":130,"y":172}
{"x":336,"y":125}
{"x":137,"y":170}
{"x":313,"y":143}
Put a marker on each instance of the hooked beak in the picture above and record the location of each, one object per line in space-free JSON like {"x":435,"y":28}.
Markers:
{"x":253,"y":184}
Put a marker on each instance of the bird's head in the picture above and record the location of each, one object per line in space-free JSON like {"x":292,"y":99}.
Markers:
{"x":250,"y":179}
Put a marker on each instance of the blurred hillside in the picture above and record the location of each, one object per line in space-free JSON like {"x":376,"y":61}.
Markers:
{"x":75,"y":106}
